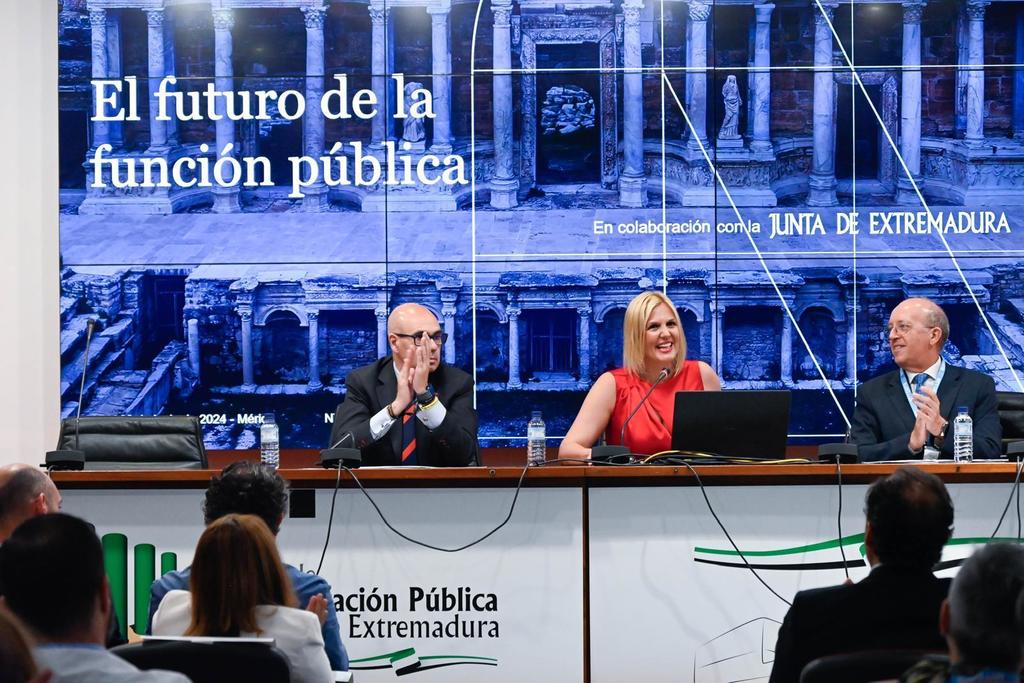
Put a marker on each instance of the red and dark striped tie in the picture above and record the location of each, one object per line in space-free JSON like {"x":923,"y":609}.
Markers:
{"x":409,"y":436}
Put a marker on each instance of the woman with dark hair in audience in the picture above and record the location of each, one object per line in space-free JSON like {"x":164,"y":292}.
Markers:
{"x":653,"y":343}
{"x":239,"y":587}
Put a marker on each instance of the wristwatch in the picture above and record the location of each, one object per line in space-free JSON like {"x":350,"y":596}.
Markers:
{"x":426,"y":398}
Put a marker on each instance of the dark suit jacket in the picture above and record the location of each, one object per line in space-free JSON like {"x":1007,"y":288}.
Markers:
{"x":892,"y":608}
{"x":883,"y":419}
{"x":371,"y":387}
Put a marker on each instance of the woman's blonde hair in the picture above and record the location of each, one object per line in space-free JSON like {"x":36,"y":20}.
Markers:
{"x":236,"y":567}
{"x":634,"y":331}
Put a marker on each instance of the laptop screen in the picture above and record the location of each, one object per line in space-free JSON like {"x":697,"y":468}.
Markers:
{"x":747,"y":424}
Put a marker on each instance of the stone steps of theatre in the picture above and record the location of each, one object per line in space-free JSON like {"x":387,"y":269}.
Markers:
{"x":102,"y":355}
{"x":72,"y":336}
{"x":96,"y":380}
{"x":68,"y":306}
{"x":117,"y":391}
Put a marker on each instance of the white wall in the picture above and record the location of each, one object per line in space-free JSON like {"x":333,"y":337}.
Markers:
{"x":29,"y":326}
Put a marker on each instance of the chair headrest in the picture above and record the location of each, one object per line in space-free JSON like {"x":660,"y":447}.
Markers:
{"x":126,"y":442}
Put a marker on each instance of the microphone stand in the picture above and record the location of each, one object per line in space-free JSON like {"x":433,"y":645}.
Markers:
{"x":331,"y":457}
{"x":74,"y":458}
{"x":621,"y":453}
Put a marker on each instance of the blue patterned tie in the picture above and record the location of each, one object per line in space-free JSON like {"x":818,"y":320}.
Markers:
{"x":919,"y":382}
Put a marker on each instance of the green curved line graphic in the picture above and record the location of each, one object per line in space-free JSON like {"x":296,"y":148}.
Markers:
{"x":796,"y":550}
{"x":401,"y":654}
{"x":836,"y":542}
{"x":397,"y":654}
{"x":483,"y":659}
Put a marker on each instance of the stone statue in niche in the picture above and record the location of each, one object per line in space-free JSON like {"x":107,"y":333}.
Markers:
{"x":412,"y":127}
{"x":733,"y":102}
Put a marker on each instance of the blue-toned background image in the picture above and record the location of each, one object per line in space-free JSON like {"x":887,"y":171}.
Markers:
{"x":786,"y":172}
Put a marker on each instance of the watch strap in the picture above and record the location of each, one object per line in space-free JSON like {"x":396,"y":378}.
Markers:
{"x":427,"y":397}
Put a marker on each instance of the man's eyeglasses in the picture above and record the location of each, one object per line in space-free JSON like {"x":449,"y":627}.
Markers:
{"x":438,"y":338}
{"x":903,"y":329}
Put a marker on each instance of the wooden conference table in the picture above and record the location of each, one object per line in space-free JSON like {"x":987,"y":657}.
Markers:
{"x":601,"y":573}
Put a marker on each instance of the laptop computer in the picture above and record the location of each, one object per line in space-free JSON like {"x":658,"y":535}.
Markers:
{"x":743,"y":424}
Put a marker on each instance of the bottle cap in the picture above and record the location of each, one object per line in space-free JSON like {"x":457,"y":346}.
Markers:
{"x":268,"y":419}
{"x":962,"y":410}
{"x":535,"y":414}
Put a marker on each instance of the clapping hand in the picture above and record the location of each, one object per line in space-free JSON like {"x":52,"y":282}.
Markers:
{"x":318,"y":606}
{"x":929,"y":417}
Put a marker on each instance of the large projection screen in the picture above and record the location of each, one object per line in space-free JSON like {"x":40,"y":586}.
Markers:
{"x":786,"y":172}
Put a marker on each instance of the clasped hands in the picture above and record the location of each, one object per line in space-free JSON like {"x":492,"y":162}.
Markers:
{"x":412,"y":378}
{"x":929,"y":418}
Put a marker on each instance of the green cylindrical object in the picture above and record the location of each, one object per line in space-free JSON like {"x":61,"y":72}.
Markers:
{"x":115,"y":561}
{"x":168,"y":563}
{"x":145,"y":573}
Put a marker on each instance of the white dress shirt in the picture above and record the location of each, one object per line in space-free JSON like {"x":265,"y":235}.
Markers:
{"x":431,"y":417}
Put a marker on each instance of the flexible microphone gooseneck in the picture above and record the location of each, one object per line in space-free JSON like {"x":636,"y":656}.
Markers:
{"x":89,"y":325}
{"x":74,"y":458}
{"x":621,"y":452}
{"x":661,"y":378}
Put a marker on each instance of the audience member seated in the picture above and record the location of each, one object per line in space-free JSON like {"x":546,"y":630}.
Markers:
{"x":983,"y":621}
{"x":239,"y":587}
{"x":16,"y":660}
{"x":896,"y":606}
{"x":55,"y":581}
{"x":25,"y":492}
{"x":251,"y":488}
{"x":653,"y":341}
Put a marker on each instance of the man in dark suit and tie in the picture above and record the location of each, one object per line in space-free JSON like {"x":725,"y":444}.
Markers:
{"x":903,"y":412}
{"x":896,"y":606}
{"x":409,"y":408}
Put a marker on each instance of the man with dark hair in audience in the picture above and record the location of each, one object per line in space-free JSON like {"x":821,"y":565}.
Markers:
{"x":52,"y":568}
{"x":253,"y":489}
{"x":25,"y":492}
{"x":983,"y":621}
{"x":909,"y":519}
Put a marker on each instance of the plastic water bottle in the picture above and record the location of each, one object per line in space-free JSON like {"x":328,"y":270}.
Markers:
{"x":270,"y":445}
{"x":536,"y":443}
{"x":963,"y":436}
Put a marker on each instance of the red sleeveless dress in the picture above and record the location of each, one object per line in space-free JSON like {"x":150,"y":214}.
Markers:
{"x":650,"y":430}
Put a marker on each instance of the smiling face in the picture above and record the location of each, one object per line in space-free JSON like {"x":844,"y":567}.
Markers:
{"x":661,"y":339}
{"x":913,"y":339}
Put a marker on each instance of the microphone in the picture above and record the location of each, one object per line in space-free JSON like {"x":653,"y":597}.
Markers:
{"x":845,"y":452}
{"x":74,"y":458}
{"x":89,"y":325}
{"x":621,"y":452}
{"x":331,"y":457}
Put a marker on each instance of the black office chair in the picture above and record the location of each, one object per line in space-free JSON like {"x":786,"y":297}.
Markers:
{"x":128,"y":443}
{"x":211,"y":662}
{"x":1011,"y":416}
{"x":863,"y":667}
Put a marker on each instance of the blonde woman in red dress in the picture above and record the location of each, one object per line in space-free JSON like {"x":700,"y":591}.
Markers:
{"x":652,"y":341}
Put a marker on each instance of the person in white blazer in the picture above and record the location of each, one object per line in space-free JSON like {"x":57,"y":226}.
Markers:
{"x":238,"y":587}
